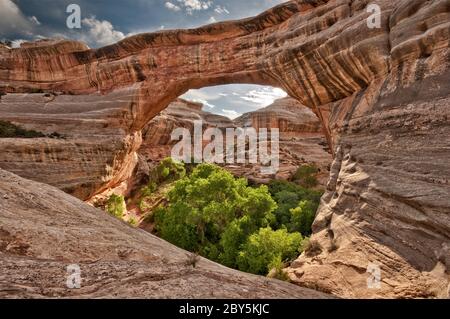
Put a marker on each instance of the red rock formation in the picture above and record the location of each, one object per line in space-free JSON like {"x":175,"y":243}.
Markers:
{"x":286,"y":114}
{"x":381,"y":93}
{"x":96,"y":153}
{"x":301,"y":137}
{"x":302,"y":140}
{"x":157,"y":143}
{"x":116,"y":260}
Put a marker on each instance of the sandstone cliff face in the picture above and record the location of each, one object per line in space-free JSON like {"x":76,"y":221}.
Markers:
{"x":302,"y":140}
{"x":96,"y":152}
{"x":388,"y":195}
{"x":157,"y":143}
{"x":382,"y":95}
{"x":286,"y":114}
{"x":43,"y":230}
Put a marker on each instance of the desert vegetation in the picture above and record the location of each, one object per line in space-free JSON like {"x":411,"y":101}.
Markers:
{"x":10,"y":130}
{"x":116,"y":205}
{"x":209,"y":212}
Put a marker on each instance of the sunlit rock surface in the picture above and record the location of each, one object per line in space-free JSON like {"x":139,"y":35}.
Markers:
{"x":382,"y":95}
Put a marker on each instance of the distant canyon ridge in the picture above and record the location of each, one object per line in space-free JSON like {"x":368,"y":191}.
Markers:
{"x":382,"y":97}
{"x":302,"y":140}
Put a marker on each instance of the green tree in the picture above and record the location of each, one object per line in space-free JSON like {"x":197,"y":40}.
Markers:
{"x":202,"y":207}
{"x":168,"y":170}
{"x":289,"y":197}
{"x":306,"y":176}
{"x":302,"y":218}
{"x":286,"y":200}
{"x":267,"y":248}
{"x":116,"y":205}
{"x":233,"y":238}
{"x":175,"y":225}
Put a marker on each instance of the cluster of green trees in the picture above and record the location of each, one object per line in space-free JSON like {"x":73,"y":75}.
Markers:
{"x":296,"y":206}
{"x":167,"y":171}
{"x":220,"y":217}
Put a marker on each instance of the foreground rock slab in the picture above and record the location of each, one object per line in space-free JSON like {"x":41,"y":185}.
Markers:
{"x":43,"y":230}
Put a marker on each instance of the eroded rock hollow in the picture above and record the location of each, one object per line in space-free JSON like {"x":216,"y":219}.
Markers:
{"x":382,"y":95}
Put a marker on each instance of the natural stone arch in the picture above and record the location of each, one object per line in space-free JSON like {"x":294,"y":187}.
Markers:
{"x":281,"y":47}
{"x":382,"y":95}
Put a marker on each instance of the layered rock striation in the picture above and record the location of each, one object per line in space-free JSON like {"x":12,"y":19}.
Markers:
{"x":157,"y":140}
{"x":381,"y":93}
{"x":302,"y":140}
{"x":94,"y":152}
{"x":43,"y":231}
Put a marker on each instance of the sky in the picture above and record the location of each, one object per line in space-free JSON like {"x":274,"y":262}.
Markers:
{"x":105,"y":22}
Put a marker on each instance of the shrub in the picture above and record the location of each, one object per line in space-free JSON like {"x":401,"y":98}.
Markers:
{"x":192,"y":260}
{"x":267,"y":248}
{"x":276,"y":270}
{"x":149,"y":189}
{"x":169,"y":170}
{"x":306,"y":176}
{"x":36,"y":91}
{"x":311,"y":247}
{"x":116,"y":205}
{"x":165,"y":172}
{"x":133,"y":221}
{"x":56,"y":135}
{"x":9,"y":130}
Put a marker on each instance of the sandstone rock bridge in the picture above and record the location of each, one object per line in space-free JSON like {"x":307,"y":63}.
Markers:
{"x":382,"y":94}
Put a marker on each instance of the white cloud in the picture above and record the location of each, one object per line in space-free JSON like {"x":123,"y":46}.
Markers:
{"x":221,"y":10}
{"x":204,"y":102}
{"x":12,"y":19}
{"x":201,"y":95}
{"x":235,"y":99}
{"x":172,"y":7}
{"x":101,"y":32}
{"x":264,"y":96}
{"x":196,"y":4}
{"x":212,"y":20}
{"x":17,"y":43}
{"x":189,"y":6}
{"x":231,"y":114}
{"x":35,"y":20}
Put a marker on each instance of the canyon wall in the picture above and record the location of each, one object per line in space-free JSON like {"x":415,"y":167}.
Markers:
{"x":157,"y":142}
{"x":382,"y":95}
{"x":302,"y":140}
{"x":43,"y":231}
{"x":94,"y":152}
